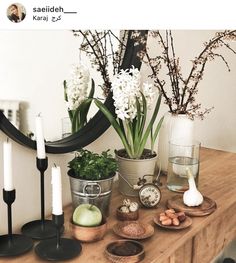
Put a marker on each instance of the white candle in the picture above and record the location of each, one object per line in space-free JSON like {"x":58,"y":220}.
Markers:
{"x":7,"y":166}
{"x":56,"y":191}
{"x":40,"y":138}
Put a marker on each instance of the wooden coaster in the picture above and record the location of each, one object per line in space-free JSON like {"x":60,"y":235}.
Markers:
{"x":207,"y":207}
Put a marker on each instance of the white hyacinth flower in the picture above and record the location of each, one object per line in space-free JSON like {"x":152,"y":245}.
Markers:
{"x":77,"y":86}
{"x":126,"y":87}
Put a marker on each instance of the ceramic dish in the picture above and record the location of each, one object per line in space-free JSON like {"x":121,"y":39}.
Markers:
{"x":185,"y":224}
{"x":133,"y":230}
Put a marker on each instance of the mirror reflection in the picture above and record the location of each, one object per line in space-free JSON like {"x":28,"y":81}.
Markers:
{"x":35,"y":68}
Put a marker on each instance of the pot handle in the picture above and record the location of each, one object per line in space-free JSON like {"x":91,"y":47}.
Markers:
{"x":91,"y":196}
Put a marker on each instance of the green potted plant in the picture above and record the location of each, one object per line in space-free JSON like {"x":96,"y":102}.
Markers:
{"x":91,"y":176}
{"x":132,"y":102}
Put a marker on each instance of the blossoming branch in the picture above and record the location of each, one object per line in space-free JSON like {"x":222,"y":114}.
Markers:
{"x":182,"y":99}
{"x":105,"y":50}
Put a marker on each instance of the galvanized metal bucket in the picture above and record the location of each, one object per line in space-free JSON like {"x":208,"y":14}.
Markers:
{"x":97,"y":192}
{"x":130,"y":170}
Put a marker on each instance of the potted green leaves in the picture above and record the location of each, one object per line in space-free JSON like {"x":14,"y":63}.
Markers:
{"x":132,"y":102}
{"x":91,"y":176}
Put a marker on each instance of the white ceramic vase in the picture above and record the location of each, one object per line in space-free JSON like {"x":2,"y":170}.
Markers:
{"x":174,"y":127}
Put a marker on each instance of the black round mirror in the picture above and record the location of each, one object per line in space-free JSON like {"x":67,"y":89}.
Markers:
{"x":95,"y":127}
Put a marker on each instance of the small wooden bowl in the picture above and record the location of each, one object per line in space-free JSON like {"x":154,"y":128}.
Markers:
{"x":131,"y":216}
{"x":125,"y":251}
{"x":89,"y":234}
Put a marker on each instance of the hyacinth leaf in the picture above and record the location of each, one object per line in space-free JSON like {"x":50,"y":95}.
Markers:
{"x":137,"y":125}
{"x":152,"y":142}
{"x":115,"y":124}
{"x":65,"y":93}
{"x":76,"y":122}
{"x":85,"y":108}
{"x":154,"y":136}
{"x":144,"y":115}
{"x":148,"y":130}
{"x":121,"y":126}
{"x":130,"y":136}
{"x":157,"y":129}
{"x":66,"y":99}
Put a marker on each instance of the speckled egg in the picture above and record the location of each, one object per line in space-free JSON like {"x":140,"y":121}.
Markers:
{"x":124,"y":209}
{"x":133,"y":207}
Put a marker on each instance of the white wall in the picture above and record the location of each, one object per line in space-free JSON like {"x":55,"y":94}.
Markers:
{"x":216,"y":131}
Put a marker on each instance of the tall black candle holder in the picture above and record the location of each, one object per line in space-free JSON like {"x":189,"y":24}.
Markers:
{"x":58,"y":248}
{"x":40,"y":229}
{"x":13,"y":244}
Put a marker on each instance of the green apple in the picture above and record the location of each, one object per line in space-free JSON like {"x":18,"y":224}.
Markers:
{"x":87,"y":215}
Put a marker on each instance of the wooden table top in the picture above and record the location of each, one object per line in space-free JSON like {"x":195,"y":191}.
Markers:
{"x":217,"y":180}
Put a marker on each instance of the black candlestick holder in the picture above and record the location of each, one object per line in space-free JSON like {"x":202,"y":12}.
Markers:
{"x":40,"y":229}
{"x":58,"y":248}
{"x":13,"y":244}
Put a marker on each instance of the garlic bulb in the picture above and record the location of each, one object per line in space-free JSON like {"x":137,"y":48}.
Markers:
{"x":192,"y":197}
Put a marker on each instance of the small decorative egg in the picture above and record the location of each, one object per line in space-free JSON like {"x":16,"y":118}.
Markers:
{"x":126,"y":202}
{"x":133,"y":207}
{"x":124,"y":209}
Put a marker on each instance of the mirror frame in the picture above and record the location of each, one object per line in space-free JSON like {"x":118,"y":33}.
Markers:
{"x":93,"y":129}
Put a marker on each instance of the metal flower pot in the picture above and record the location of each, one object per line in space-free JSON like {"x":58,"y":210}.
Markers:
{"x":97,"y":192}
{"x":130,"y":170}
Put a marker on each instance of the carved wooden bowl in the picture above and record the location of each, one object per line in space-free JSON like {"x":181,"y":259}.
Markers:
{"x":131,"y":216}
{"x":89,"y":234}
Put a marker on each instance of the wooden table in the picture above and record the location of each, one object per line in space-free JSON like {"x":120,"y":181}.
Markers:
{"x":200,"y":243}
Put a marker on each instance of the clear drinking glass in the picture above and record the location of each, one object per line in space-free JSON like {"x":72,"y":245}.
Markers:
{"x":183,"y":159}
{"x":66,"y":127}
